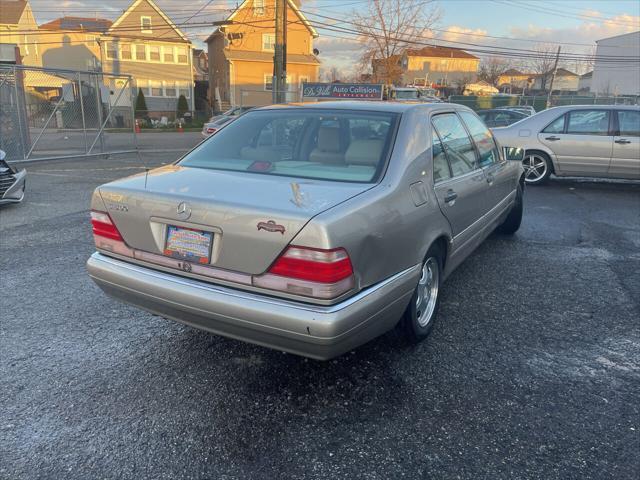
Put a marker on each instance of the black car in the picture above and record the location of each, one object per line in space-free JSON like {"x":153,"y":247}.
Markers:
{"x":500,"y":117}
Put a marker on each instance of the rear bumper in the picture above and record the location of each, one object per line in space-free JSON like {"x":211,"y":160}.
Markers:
{"x":320,"y":332}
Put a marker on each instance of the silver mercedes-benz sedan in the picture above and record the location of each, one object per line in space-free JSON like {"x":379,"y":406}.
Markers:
{"x":309,"y":228}
{"x":578,"y":140}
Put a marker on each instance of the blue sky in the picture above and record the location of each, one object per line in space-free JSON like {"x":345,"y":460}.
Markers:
{"x":575,"y":24}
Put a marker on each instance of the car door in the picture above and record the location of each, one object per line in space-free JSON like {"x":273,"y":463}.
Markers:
{"x":459,"y":182}
{"x":581,"y":140}
{"x":625,"y":159}
{"x":495,"y":168}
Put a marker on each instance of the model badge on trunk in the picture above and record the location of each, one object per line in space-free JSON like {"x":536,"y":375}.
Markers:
{"x":271,"y":226}
{"x":183,"y":210}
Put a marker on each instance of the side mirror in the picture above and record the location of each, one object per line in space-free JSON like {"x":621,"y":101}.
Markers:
{"x":514,"y":154}
{"x":2,"y":154}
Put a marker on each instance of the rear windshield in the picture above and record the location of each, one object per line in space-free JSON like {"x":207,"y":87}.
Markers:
{"x":341,"y":145}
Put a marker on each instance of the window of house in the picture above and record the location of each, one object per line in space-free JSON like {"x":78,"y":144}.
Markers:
{"x":456,"y":143}
{"x":154,"y":53}
{"x":143,"y":85}
{"x":141,"y":52}
{"x":184,"y":89}
{"x":169,"y":57}
{"x":268,"y":42}
{"x":112,"y":50}
{"x":258,"y":7}
{"x":170,"y":88}
{"x":182,"y":55}
{"x":125,"y":51}
{"x":155,"y":88}
{"x":268,"y":82}
{"x":145,"y":25}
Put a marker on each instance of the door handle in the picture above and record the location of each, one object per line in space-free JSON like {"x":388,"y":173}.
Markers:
{"x":490,"y":178}
{"x":552,"y":138}
{"x":450,"y":196}
{"x":623,"y":141}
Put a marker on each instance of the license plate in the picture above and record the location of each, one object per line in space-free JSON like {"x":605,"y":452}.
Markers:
{"x":188,"y":244}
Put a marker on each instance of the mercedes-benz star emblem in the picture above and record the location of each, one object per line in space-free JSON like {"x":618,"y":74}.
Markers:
{"x":183,"y":210}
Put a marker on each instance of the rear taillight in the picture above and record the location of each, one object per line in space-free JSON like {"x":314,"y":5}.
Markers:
{"x":106,"y":235}
{"x":103,"y":226}
{"x":311,"y":272}
{"x":211,"y":130}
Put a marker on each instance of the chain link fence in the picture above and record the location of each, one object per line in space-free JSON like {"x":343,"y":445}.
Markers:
{"x":256,"y":97}
{"x":539,"y":102}
{"x":50,"y":113}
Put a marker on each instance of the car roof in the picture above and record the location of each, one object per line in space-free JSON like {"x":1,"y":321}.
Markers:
{"x":371,"y":106}
{"x":593,"y":107}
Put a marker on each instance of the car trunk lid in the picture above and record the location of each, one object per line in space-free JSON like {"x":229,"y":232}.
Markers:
{"x":252,"y":217}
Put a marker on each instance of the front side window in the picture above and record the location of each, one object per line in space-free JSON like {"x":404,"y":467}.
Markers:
{"x":457,"y":144}
{"x":588,"y":122}
{"x":441,"y":169}
{"x":338,"y":145}
{"x":629,"y":123}
{"x":483,"y":139}
{"x":557,"y":126}
{"x":268,"y":42}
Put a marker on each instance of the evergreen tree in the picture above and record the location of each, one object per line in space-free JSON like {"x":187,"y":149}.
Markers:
{"x":183,"y":106}
{"x":141,"y":104}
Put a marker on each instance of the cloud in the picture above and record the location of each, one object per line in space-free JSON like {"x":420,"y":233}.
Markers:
{"x":456,"y":33}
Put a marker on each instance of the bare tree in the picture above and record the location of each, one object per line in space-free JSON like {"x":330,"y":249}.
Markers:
{"x":542,"y":63}
{"x":492,"y":68}
{"x":387,"y":28}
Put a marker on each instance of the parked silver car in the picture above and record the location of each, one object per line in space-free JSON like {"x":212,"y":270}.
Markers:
{"x":309,"y":228}
{"x":585,"y":141}
{"x":12,"y":182}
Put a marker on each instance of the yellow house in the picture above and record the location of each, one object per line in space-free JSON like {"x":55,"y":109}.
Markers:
{"x":515,"y":79}
{"x":18,"y":26}
{"x":241,"y":55}
{"x":438,"y":66}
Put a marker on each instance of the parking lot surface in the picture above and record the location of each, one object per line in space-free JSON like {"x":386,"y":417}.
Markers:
{"x":532,"y":371}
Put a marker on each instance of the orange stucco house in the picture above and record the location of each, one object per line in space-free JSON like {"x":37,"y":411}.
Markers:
{"x":241,"y":55}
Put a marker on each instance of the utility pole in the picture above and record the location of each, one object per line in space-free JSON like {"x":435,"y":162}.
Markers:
{"x":553,"y":77}
{"x":280,"y":54}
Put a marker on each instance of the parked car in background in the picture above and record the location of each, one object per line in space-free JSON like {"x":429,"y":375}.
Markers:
{"x":212,"y":126}
{"x":232,"y":112}
{"x":526,"y":109}
{"x":500,"y":118}
{"x":309,"y":228}
{"x":12,"y":182}
{"x":578,"y":140}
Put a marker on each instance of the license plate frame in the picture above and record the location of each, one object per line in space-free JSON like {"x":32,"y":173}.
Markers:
{"x":189,"y":244}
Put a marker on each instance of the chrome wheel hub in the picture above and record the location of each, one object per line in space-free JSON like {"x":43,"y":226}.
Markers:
{"x":535,"y":168}
{"x":427,"y":291}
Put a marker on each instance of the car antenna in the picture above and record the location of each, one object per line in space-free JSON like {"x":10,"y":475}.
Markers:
{"x":146,"y":167}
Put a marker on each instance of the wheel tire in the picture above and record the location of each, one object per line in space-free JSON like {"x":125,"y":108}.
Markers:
{"x":512,"y":223}
{"x":419,"y":318}
{"x":537,"y":168}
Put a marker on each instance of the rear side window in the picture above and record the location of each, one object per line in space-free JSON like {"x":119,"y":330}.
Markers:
{"x":629,"y":123}
{"x":588,"y":122}
{"x":557,"y":126}
{"x":340,"y":145}
{"x":482,"y":138}
{"x":456,"y":143}
{"x":441,"y":169}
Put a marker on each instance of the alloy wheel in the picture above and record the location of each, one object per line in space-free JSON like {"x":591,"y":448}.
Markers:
{"x":535,"y":168}
{"x":427,"y":297}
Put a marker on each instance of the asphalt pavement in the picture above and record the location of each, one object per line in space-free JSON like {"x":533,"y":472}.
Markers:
{"x":532,"y":371}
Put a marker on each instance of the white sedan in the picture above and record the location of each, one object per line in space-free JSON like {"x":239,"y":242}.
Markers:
{"x":578,"y":140}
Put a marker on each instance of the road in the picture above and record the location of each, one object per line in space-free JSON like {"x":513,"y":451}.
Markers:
{"x":532,"y":371}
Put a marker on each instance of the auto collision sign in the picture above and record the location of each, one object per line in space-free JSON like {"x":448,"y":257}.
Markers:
{"x":356,"y":91}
